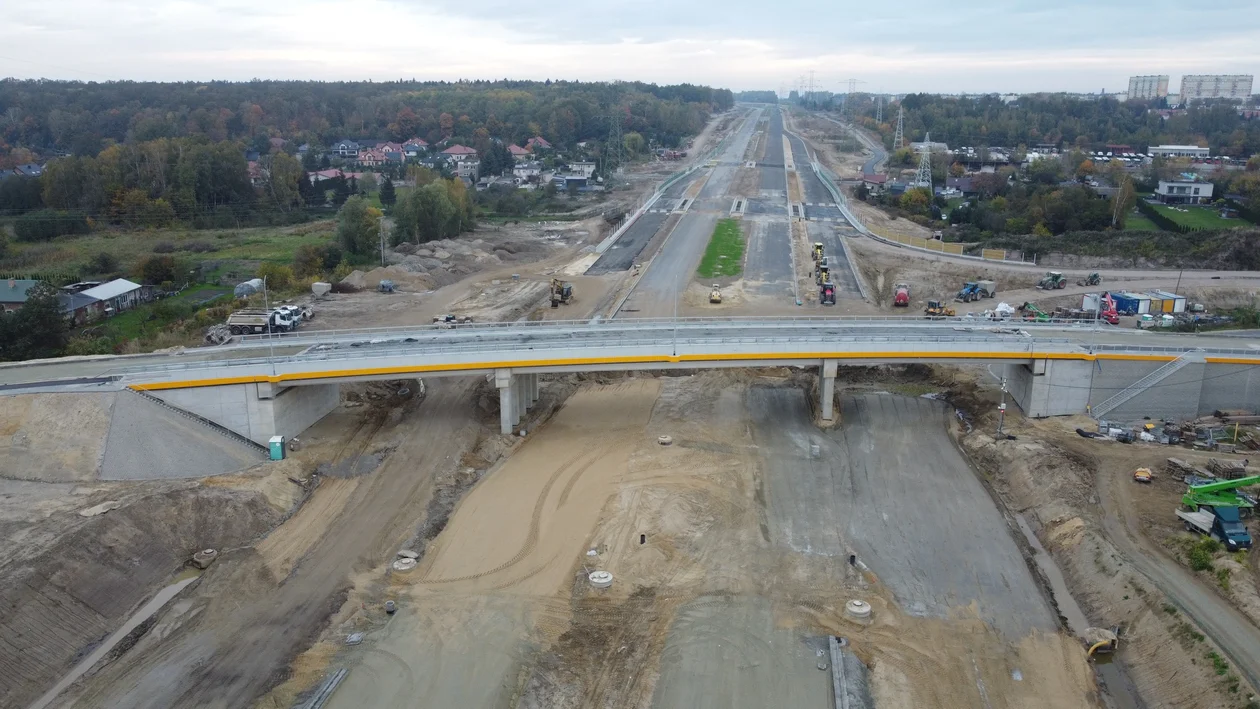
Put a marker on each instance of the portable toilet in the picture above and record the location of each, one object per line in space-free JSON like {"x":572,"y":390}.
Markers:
{"x":276,"y":446}
{"x":1172,"y":303}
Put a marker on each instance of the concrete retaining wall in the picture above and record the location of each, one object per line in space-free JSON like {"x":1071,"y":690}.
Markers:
{"x":1176,"y":397}
{"x":1050,"y":387}
{"x":257,"y":411}
{"x":1229,"y":386}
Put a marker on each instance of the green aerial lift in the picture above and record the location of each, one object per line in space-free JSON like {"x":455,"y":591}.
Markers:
{"x":1030,"y":311}
{"x":1223,"y":493}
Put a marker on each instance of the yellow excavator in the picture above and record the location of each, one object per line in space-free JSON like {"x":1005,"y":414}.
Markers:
{"x":561,"y":292}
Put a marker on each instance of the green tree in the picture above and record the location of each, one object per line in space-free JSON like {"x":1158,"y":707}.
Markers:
{"x":158,"y":268}
{"x":103,"y":263}
{"x":278,"y":276}
{"x":388,"y":196}
{"x":358,"y":226}
{"x":284,"y":185}
{"x":915,"y":200}
{"x":38,"y":330}
{"x":634,"y":144}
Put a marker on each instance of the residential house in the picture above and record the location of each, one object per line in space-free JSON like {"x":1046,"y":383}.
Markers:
{"x":304,"y":148}
{"x":389,"y":147}
{"x":252,"y":155}
{"x":257,"y":175}
{"x":518,"y":153}
{"x":277,"y":143}
{"x":1183,"y":192}
{"x":30,"y":169}
{"x":537,"y":143}
{"x":13,"y":293}
{"x":414,"y":148}
{"x":80,"y":308}
{"x":460,"y":153}
{"x":396,"y":157}
{"x":321,"y":175}
{"x":467,"y":168}
{"x":371,"y":157}
{"x":345,"y":149}
{"x":527,"y":171}
{"x":964,"y":185}
{"x":874,"y":182}
{"x":582,"y":168}
{"x":119,"y":294}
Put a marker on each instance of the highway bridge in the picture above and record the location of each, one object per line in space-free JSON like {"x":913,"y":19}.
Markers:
{"x":283,"y":383}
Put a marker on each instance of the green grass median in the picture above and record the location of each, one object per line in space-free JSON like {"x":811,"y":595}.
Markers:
{"x":724,"y":257}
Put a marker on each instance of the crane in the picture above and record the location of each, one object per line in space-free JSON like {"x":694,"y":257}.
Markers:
{"x":1223,"y":493}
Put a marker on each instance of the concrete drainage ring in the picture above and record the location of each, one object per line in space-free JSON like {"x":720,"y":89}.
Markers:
{"x":665,"y":440}
{"x":404,"y":564}
{"x":858,"y":609}
{"x":601,"y":579}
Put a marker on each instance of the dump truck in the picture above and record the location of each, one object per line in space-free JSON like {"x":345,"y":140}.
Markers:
{"x":1221,"y":523}
{"x":561,"y":292}
{"x":1092,"y":279}
{"x":818,"y":251}
{"x":1053,"y":280}
{"x":901,"y":295}
{"x":715,"y":295}
{"x":936,"y":308}
{"x":250,"y":322}
{"x":827,"y":293}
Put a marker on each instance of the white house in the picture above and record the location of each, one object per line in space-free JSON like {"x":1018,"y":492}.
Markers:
{"x":1184,"y":192}
{"x":527,"y":170}
{"x":119,"y":294}
{"x":582,"y":169}
{"x":345,"y":149}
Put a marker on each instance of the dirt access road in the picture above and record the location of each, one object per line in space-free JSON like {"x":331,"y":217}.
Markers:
{"x":249,"y":627}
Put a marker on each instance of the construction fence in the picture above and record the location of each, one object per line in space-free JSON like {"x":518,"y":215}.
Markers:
{"x":918,"y":242}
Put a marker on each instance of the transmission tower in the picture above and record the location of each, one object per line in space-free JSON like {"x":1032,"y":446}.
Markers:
{"x":614,"y":148}
{"x":879,"y":108}
{"x":924,"y":177}
{"x":898,"y":138}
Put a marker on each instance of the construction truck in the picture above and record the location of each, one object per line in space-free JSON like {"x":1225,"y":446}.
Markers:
{"x":1092,"y":279}
{"x":1053,"y":280}
{"x":970,"y":291}
{"x":249,"y":322}
{"x":561,"y":292}
{"x":818,"y":251}
{"x":1221,"y":523}
{"x":901,"y":295}
{"x":715,"y":295}
{"x":1222,"y":493}
{"x":827,"y":293}
{"x":936,"y":308}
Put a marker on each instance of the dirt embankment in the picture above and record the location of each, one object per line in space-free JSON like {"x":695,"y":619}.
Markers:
{"x":1054,"y":484}
{"x":55,"y":603}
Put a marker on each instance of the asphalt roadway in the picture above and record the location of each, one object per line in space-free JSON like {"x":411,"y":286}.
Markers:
{"x":626,"y":249}
{"x":674,"y":267}
{"x":768,"y":264}
{"x":842,"y":272}
{"x":890,"y":486}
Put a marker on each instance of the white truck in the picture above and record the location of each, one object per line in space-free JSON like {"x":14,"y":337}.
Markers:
{"x":249,"y":322}
{"x":1222,"y":524}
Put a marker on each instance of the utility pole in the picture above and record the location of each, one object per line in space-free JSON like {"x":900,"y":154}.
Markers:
{"x":924,"y":176}
{"x":381,"y":229}
{"x":1002,"y":408}
{"x":899,"y":137}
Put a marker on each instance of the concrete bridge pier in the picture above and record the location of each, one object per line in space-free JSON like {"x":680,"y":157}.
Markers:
{"x":517,"y":394}
{"x":827,"y":389}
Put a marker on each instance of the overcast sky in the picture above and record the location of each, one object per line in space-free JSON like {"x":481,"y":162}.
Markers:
{"x":908,"y":45}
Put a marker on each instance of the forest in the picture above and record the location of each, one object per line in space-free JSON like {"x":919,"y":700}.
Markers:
{"x":1063,"y":121}
{"x":83,"y":118}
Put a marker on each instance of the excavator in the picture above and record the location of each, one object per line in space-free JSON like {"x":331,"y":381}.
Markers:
{"x":561,"y":292}
{"x":1223,"y":493}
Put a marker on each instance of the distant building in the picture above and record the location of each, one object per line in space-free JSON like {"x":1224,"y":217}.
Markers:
{"x":80,"y":308}
{"x":119,"y":294}
{"x":527,"y":170}
{"x":345,"y":149}
{"x":1183,"y":192}
{"x":582,"y":168}
{"x":537,"y":143}
{"x":518,"y":153}
{"x":460,"y":153}
{"x":1179,"y":151}
{"x":371,"y":157}
{"x":13,"y":293}
{"x":414,"y":148}
{"x":1196,"y":87}
{"x":467,"y":168}
{"x":1148,"y":87}
{"x":257,"y":175}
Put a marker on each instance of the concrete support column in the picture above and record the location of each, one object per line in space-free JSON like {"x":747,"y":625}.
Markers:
{"x":827,"y":389}
{"x":533,"y":379}
{"x":506,"y":383}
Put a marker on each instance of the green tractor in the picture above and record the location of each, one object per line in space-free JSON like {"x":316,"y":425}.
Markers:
{"x":1092,"y":279}
{"x":1053,"y":281}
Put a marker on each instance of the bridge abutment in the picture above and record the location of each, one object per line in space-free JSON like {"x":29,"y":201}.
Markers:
{"x":257,"y":410}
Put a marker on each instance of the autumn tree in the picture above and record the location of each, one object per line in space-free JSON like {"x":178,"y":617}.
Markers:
{"x":358,"y":226}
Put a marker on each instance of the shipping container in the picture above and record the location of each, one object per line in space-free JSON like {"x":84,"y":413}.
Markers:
{"x":1172,"y":303}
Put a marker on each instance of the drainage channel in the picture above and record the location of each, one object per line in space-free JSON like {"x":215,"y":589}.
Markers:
{"x":146,"y":611}
{"x":1118,"y":692}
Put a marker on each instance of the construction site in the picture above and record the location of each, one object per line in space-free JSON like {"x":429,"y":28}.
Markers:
{"x":660,"y":537}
